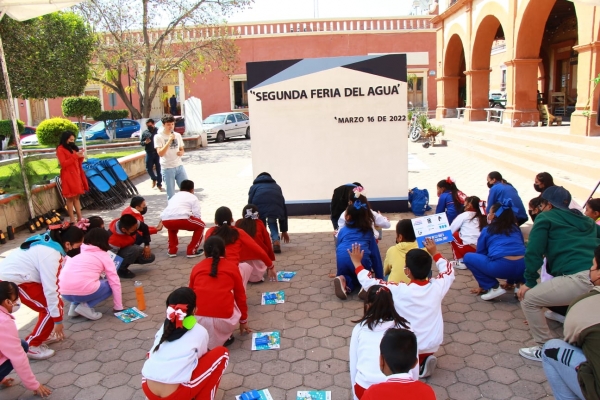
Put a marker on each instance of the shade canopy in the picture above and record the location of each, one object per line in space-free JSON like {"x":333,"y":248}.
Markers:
{"x":22,"y":10}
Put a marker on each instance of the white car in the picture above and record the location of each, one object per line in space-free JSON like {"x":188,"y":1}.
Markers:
{"x":31,"y":140}
{"x":225,"y":125}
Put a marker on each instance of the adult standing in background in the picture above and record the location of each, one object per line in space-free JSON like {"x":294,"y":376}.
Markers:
{"x":169,"y":146}
{"x":152,"y":157}
{"x":501,"y":190}
{"x":72,"y":177}
{"x":173,"y":105}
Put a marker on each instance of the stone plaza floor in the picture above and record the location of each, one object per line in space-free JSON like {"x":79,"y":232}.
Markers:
{"x":479,"y":358}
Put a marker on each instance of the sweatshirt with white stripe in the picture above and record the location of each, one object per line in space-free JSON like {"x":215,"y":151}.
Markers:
{"x":38,"y":264}
{"x":420,"y":302}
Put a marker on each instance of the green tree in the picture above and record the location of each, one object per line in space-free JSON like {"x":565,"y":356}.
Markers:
{"x":7,"y":130}
{"x":47,"y":57}
{"x":50,"y":130}
{"x":140,"y":43}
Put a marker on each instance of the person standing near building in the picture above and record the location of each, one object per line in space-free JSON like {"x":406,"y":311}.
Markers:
{"x":173,"y":105}
{"x":72,"y":177}
{"x":152,"y":157}
{"x":169,"y":146}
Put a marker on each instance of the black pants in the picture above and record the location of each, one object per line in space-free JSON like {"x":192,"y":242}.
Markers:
{"x":153,"y":161}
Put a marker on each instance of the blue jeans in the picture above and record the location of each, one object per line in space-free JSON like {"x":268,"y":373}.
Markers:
{"x":6,"y":366}
{"x":273,"y":228}
{"x":153,"y":161}
{"x":486,"y":270}
{"x":172,"y":175}
{"x":92,"y":300}
{"x":559,"y":360}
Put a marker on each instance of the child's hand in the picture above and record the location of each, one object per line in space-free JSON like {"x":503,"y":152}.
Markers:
{"x":42,"y":391}
{"x":285,"y":237}
{"x":272,"y":274}
{"x":244,"y":328}
{"x":430,"y":246}
{"x":356,"y":255}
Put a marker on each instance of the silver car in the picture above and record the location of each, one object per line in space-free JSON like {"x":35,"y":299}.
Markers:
{"x":226,"y":125}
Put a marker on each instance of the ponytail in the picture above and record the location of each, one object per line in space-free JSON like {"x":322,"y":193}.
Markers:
{"x":450,"y":184}
{"x":182,"y":296}
{"x":214,"y":247}
{"x":379,"y":308}
{"x":224,"y":230}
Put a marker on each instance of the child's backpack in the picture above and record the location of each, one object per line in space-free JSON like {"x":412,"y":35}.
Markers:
{"x":419,"y":201}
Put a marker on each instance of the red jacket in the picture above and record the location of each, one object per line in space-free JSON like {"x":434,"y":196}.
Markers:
{"x":243,"y":249}
{"x":72,"y":176}
{"x":215,"y":296}
{"x":117,"y":238}
{"x":139,"y":217}
{"x":262,"y":238}
{"x":397,"y":388}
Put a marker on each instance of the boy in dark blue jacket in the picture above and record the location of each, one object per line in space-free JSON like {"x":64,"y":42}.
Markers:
{"x":267,"y":196}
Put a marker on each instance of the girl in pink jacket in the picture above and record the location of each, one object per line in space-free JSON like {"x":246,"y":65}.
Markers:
{"x":79,"y":280}
{"x":13,"y":351}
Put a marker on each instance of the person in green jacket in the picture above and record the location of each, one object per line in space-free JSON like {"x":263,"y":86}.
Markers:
{"x":572,"y":366}
{"x":567,"y":239}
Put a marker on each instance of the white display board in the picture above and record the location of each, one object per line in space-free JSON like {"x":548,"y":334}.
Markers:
{"x":320,"y":123}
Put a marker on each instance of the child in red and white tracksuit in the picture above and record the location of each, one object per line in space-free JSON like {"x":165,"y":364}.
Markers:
{"x":466,"y":229}
{"x":183,"y":213}
{"x":419,"y":301}
{"x":35,"y":267}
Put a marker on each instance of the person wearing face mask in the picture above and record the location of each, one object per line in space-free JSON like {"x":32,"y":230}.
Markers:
{"x":13,"y":351}
{"x":572,"y":365}
{"x":500,"y":190}
{"x":138,"y":208}
{"x":35,"y":268}
{"x":72,"y":177}
{"x":543,"y":181}
{"x":567,"y":239}
{"x":124,"y":232}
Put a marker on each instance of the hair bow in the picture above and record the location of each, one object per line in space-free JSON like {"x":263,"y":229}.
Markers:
{"x":358,"y":191}
{"x":176,"y":313}
{"x":250,"y":214}
{"x":506,"y":204}
{"x":65,"y":225}
{"x":83,"y":224}
{"x":450,"y":180}
{"x":382,"y":288}
{"x":358,"y":205}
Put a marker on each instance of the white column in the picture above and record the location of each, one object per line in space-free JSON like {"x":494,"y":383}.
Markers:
{"x":46,"y":108}
{"x":181,"y":91}
{"x":28,"y":109}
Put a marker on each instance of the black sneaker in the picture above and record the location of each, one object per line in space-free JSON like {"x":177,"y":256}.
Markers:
{"x":229,"y":341}
{"x":196,"y":254}
{"x":125,"y":273}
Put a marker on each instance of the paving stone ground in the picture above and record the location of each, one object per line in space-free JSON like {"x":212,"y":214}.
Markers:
{"x":479,"y":357}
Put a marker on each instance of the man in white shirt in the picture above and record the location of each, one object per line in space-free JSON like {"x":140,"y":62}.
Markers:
{"x":183,"y":213}
{"x":169,"y":146}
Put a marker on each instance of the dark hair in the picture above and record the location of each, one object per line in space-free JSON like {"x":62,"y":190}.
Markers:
{"x":537,"y":201}
{"x":127,"y":221}
{"x":474,"y":201}
{"x":186,"y":185}
{"x":405,"y":228}
{"x":505,"y":224}
{"x":214,"y":247}
{"x":136,"y":201}
{"x":63,"y":141}
{"x":248,"y":225}
{"x":224,"y":229}
{"x":95,"y":222}
{"x":418,"y":262}
{"x":379,"y":308}
{"x":72,"y":235}
{"x":498,"y":177}
{"x":545,"y":179}
{"x":183,"y":295}
{"x":362,"y":217}
{"x":97,"y":237}
{"x":167,"y":118}
{"x":451,"y":186}
{"x":594,"y":204}
{"x":8,"y":290}
{"x":398,"y":348}
{"x":149,"y":120}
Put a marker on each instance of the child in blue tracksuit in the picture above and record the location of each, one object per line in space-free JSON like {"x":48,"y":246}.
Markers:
{"x":452,"y":200}
{"x":501,"y":190}
{"x":358,"y":229}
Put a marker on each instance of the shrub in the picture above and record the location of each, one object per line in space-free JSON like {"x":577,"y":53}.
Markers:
{"x":6,"y":129}
{"x":111,"y":115}
{"x":79,"y":107}
{"x":50,"y":130}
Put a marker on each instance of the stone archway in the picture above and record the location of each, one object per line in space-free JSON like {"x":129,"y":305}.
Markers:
{"x":451,"y":86}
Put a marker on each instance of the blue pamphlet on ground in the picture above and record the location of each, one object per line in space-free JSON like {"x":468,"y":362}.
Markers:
{"x":255,"y":395}
{"x":272,"y":298}
{"x":313,"y":395}
{"x":265,"y":340}
{"x":435,"y":226}
{"x":130,"y":315}
{"x":116,"y":259}
{"x":285,"y":276}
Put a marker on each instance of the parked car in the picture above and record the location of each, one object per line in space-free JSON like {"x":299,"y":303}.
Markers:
{"x":84,"y":125}
{"x":125,"y":129}
{"x":222,"y":126}
{"x":179,"y":126}
{"x":28,"y":137}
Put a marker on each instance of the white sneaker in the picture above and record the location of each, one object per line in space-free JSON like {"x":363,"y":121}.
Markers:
{"x":428,"y":367}
{"x":554,"y":316}
{"x":40,"y":352}
{"x":72,"y":312}
{"x":493,"y":293}
{"x":458,"y":265}
{"x":531,"y":353}
{"x":85,"y":311}
{"x":171,"y":255}
{"x":51,"y":339}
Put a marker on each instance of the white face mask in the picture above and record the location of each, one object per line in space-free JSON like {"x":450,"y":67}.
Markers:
{"x":16,"y":306}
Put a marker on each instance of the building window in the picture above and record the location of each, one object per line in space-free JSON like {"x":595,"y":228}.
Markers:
{"x":239,"y":92}
{"x":503,"y":81}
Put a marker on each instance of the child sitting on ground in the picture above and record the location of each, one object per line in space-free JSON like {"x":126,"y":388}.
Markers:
{"x":398,"y":350}
{"x":221,"y":297}
{"x":253,"y":226}
{"x":379,"y":316}
{"x":592,"y":210}
{"x":379,"y":221}
{"x":358,"y":229}
{"x":179,"y":365}
{"x":420,"y":301}
{"x":451,"y":199}
{"x":466,"y":229}
{"x":395,"y":258}
{"x":13,"y":351}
